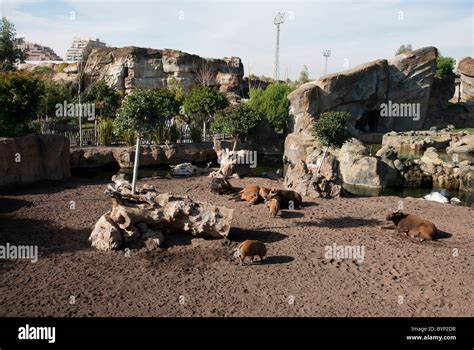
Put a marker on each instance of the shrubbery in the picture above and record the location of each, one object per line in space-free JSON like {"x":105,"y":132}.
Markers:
{"x":20,"y":98}
{"x":272,"y":103}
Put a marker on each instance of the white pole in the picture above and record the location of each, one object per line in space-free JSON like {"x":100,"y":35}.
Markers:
{"x":80,"y":107}
{"x":135,"y":165}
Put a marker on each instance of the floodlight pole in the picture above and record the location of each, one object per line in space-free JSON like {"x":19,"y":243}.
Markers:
{"x":279,"y":19}
{"x":327,"y":54}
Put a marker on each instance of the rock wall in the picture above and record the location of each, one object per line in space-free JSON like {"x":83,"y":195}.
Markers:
{"x":32,"y":158}
{"x":91,"y":157}
{"x":123,"y":68}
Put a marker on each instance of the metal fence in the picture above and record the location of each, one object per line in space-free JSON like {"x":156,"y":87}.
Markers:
{"x":91,"y":137}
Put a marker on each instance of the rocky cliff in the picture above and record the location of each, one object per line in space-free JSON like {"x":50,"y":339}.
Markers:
{"x":124,"y":68}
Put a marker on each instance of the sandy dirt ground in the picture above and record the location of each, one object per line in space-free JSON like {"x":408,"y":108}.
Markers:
{"x":397,"y":277}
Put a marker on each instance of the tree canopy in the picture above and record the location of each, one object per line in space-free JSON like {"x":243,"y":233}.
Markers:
{"x":203,"y":102}
{"x":272,"y":103}
{"x":105,"y":98}
{"x":9,"y":50}
{"x":144,"y":110}
{"x":404,"y":49}
{"x":331,"y":130}
{"x":304,"y":75}
{"x":444,"y":66}
{"x":20,"y":96}
{"x":236,"y":120}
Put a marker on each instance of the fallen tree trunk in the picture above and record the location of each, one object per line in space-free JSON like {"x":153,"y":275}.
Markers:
{"x":156,"y":212}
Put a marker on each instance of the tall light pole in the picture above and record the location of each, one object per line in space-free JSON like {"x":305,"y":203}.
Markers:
{"x":327,"y":54}
{"x":279,"y":19}
{"x":79,"y":99}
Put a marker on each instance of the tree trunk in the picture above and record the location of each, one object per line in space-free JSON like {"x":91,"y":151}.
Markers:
{"x":156,"y":212}
{"x":204,"y":131}
{"x":135,"y":165}
{"x":322,"y":160}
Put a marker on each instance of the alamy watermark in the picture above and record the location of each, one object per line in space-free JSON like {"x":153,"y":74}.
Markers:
{"x":37,"y":333}
{"x":243,"y":157}
{"x":66,"y":109}
{"x":405,"y":110}
{"x":345,"y":252}
{"x":17,"y":252}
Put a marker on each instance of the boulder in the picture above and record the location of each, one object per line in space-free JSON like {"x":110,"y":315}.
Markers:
{"x":106,"y":234}
{"x":413,"y":176}
{"x":308,"y":183}
{"x":466,"y":180}
{"x":32,"y":158}
{"x":369,"y":172}
{"x":387,"y":153}
{"x":464,"y":145}
{"x":466,"y":71}
{"x":430,"y":161}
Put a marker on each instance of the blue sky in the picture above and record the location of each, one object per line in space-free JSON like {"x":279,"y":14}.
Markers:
{"x":355,"y":31}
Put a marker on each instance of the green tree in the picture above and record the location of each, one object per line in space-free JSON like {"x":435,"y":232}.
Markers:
{"x":143,"y":111}
{"x":272,"y":103}
{"x":304,"y":75}
{"x":53,"y":94}
{"x":236,"y":120}
{"x":203,"y":102}
{"x":404,"y":49}
{"x":444,"y":66}
{"x":177,"y":88}
{"x":331,"y":131}
{"x":105,"y":98}
{"x":20,"y":96}
{"x":9,"y":50}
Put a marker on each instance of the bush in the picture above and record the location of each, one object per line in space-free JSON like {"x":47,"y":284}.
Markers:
{"x":106,"y":132}
{"x":161,"y":135}
{"x":174,"y":134}
{"x":204,"y":102}
{"x":20,"y":95}
{"x":273,"y":103}
{"x":236,"y":120}
{"x":43,"y":70}
{"x":129,"y":137}
{"x":331,"y":129}
{"x":105,"y":98}
{"x":196,"y":134}
{"x":444,"y":66}
{"x":53,"y":94}
{"x":60,"y":67}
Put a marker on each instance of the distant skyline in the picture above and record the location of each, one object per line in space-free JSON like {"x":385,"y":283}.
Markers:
{"x":355,"y":31}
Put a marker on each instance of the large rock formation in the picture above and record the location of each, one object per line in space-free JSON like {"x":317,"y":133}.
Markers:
{"x":407,"y":78}
{"x":466,"y":72}
{"x":32,"y":158}
{"x":124,"y":68}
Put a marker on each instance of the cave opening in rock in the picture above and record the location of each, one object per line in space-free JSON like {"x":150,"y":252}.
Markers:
{"x":368,"y":121}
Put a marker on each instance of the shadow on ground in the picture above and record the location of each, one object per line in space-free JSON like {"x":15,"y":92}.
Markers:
{"x":341,"y":222}
{"x":239,"y":235}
